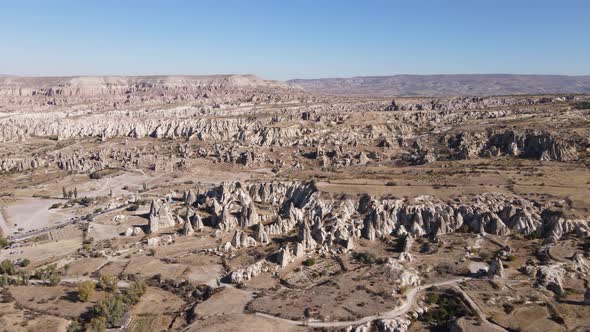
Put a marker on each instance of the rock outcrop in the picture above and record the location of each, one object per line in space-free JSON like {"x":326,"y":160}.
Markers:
{"x":160,"y":216}
{"x":496,"y":269}
{"x":322,"y":222}
{"x":529,"y":144}
{"x":551,"y":277}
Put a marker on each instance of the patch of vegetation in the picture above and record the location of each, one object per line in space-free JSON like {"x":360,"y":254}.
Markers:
{"x":111,"y":308}
{"x":96,"y":175}
{"x":432,"y":298}
{"x":7,"y":267}
{"x":557,"y":318}
{"x":4,"y":242}
{"x":109,"y":311}
{"x":582,"y":105}
{"x":445,"y":308}
{"x":75,"y":326}
{"x":86,"y":201}
{"x":69,"y":194}
{"x":86,"y":290}
{"x":4,"y":280}
{"x":508,"y":308}
{"x":365,"y":258}
{"x":97,"y":324}
{"x":537,"y":234}
{"x":108,"y":283}
{"x":25,"y":262}
{"x":55,"y":206}
{"x":45,"y":196}
{"x":309,"y":262}
{"x":49,"y":275}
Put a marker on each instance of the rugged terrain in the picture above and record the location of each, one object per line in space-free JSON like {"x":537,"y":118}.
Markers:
{"x":229,"y":202}
{"x":447,"y":85}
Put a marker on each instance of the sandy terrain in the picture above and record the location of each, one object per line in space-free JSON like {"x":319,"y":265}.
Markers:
{"x":58,"y":300}
{"x":43,"y":252}
{"x":243,"y":322}
{"x":225,"y":302}
{"x":28,"y":214}
{"x":15,"y":318}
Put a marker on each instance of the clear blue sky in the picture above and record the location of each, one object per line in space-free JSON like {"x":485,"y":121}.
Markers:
{"x":285,"y":39}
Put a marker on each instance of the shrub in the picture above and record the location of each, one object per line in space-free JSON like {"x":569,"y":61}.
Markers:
{"x":95,"y":175}
{"x":3,"y":242}
{"x":111,"y":308}
{"x":432,"y":298}
{"x":54,"y":279}
{"x":508,"y":308}
{"x":4,"y":280}
{"x":446,"y":308}
{"x":133,"y":293}
{"x":309,"y":262}
{"x":7,"y":267}
{"x":537,"y":234}
{"x":582,"y":105}
{"x":97,"y":324}
{"x":25,"y":262}
{"x":75,"y":327}
{"x":86,"y":201}
{"x":109,"y":283}
{"x":365,"y":258}
{"x":85,"y":290}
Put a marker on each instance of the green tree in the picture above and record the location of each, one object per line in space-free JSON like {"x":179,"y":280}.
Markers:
{"x":25,"y":262}
{"x":111,"y":308}
{"x":23,"y":278}
{"x":54,"y":279}
{"x":7,"y":267}
{"x":75,"y":326}
{"x":64,"y":192}
{"x":109,"y":283}
{"x":85,"y":290}
{"x":97,"y":324}
{"x":4,"y":280}
{"x":48,"y":275}
{"x":75,"y":192}
{"x":3,"y":242}
{"x":133,"y":293}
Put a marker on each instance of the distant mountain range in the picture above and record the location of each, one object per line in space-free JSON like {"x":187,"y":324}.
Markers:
{"x":156,"y":85}
{"x":446,"y":85}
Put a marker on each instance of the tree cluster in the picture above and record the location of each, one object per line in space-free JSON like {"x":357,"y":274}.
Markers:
{"x":109,"y":311}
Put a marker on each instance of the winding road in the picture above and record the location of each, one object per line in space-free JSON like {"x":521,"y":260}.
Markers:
{"x":402,"y":310}
{"x":397,"y":312}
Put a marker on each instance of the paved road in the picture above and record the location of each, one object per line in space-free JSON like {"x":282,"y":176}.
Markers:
{"x":402,"y":310}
